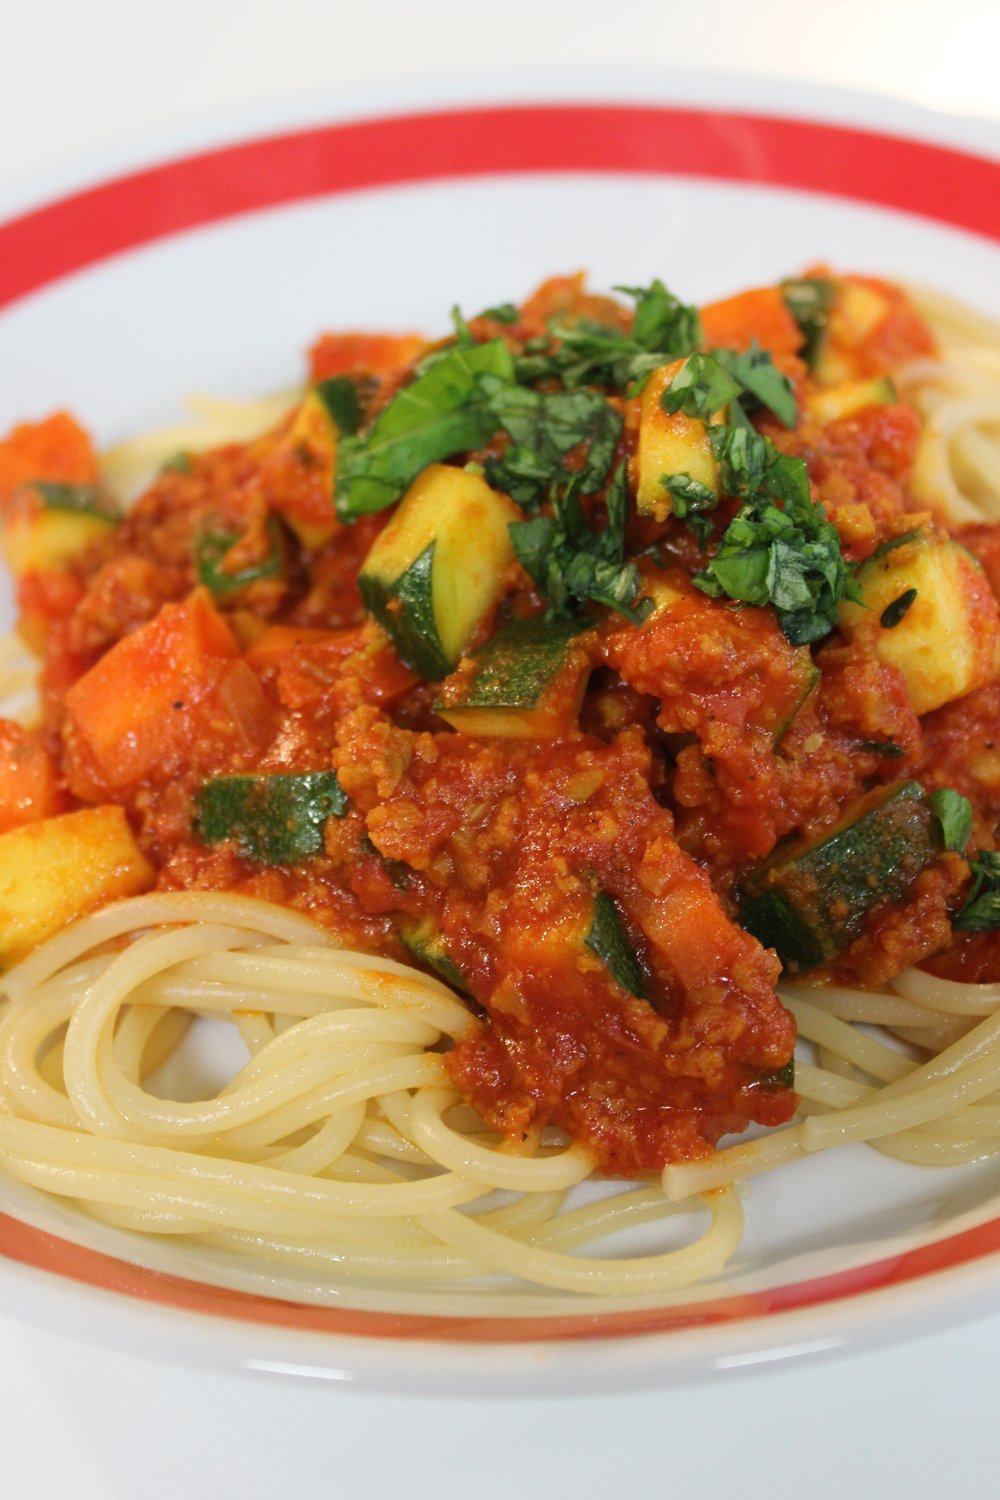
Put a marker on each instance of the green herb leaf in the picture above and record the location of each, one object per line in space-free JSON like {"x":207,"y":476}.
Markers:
{"x":809,"y":299}
{"x":692,"y":500}
{"x":954,"y":813}
{"x":211,"y":547}
{"x":546,"y":427}
{"x":663,"y":329}
{"x":573,"y":565}
{"x":981,"y":912}
{"x":701,"y":387}
{"x":440,"y":413}
{"x":887,"y":748}
{"x":894,"y":612}
{"x":760,"y":378}
{"x":342,"y":399}
{"x":786,"y":554}
{"x":504,"y":312}
{"x":662,"y":322}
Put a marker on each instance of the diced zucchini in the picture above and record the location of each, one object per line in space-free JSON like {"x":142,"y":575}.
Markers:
{"x":438,"y":569}
{"x":810,"y":681}
{"x":526,"y":683}
{"x":844,"y":400}
{"x":809,"y":299}
{"x":606,"y":937}
{"x":424,"y":940}
{"x":211,"y":548}
{"x":48,"y":524}
{"x":947,"y":642}
{"x":56,"y":870}
{"x":669,"y":443}
{"x":278,"y":820}
{"x":811,"y":901}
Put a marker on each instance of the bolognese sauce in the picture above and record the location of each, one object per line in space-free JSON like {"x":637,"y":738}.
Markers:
{"x":597,"y":658}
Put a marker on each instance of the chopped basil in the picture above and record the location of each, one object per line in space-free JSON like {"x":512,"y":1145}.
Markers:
{"x":440,"y":413}
{"x":504,"y":312}
{"x":981,"y":911}
{"x":887,"y":748}
{"x":779,"y":1078}
{"x":663,"y":328}
{"x":706,"y":383}
{"x":894,"y":612}
{"x":700,"y":388}
{"x":211,"y":548}
{"x":342,"y":399}
{"x":760,"y":378}
{"x":573,"y":565}
{"x":662,"y":322}
{"x":692,"y":500}
{"x":809,"y":299}
{"x":954,"y":813}
{"x":787,"y":555}
{"x":546,"y":427}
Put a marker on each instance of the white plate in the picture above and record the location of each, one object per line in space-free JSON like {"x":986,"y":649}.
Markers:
{"x":211,"y":270}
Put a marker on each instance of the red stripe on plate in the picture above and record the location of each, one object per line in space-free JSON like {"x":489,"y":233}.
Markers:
{"x":34,"y":1247}
{"x":952,"y":186}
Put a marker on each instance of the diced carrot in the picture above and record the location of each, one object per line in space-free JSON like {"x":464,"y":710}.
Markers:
{"x":131,"y":709}
{"x":56,"y":448}
{"x":759,"y":314}
{"x":362,"y":353}
{"x":29,"y":788}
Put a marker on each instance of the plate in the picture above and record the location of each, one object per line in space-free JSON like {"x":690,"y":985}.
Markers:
{"x":209,"y":263}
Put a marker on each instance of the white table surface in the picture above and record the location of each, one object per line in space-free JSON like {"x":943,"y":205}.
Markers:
{"x":905,"y":1421}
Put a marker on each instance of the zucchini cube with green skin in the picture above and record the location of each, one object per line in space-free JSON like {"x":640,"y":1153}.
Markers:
{"x":846,"y":400}
{"x":424,"y":941}
{"x":669,"y":443}
{"x":526,"y":683}
{"x":947,"y":643}
{"x":46,"y":525}
{"x":606,"y":937}
{"x":276,"y":820}
{"x":437,"y":571}
{"x":810,"y":902}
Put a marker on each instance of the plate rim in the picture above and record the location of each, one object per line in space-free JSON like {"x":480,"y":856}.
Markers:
{"x":379,"y":1363}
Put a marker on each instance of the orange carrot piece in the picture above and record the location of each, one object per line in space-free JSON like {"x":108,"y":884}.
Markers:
{"x":56,"y":449}
{"x":130,"y":709}
{"x":759,"y":314}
